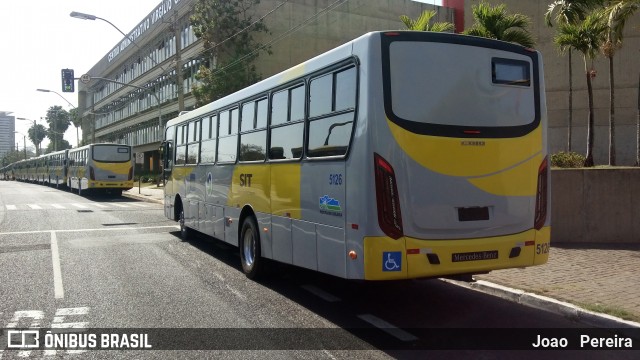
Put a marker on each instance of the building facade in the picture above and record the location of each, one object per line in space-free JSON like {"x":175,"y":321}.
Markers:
{"x":7,"y":133}
{"x":147,"y":78}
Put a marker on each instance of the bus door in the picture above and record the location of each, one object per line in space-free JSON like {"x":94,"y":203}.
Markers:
{"x":167,"y":169}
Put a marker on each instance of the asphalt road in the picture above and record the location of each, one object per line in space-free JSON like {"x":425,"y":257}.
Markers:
{"x":92,"y":265}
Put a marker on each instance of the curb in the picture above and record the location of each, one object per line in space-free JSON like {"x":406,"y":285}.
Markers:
{"x":143,"y":197}
{"x":561,"y":308}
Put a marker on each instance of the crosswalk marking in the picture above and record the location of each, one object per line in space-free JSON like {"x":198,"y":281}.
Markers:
{"x":138,"y":204}
{"x":14,"y":207}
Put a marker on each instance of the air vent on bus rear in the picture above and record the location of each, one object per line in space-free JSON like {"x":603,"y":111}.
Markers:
{"x":473,"y":213}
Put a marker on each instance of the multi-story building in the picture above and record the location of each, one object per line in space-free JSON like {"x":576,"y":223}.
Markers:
{"x":146,"y":79}
{"x":7,"y":133}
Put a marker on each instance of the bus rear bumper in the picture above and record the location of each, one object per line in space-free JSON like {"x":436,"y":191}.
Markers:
{"x":122,"y":185}
{"x":408,"y":258}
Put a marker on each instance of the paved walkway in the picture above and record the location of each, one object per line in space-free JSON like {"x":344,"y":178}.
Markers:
{"x":600,"y":279}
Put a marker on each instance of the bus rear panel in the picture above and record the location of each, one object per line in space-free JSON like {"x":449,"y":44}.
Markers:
{"x":461,"y":181}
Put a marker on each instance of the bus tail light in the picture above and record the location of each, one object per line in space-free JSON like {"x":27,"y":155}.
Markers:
{"x":388,"y":201}
{"x":92,"y":173}
{"x":130,"y":174}
{"x":541,"y":195}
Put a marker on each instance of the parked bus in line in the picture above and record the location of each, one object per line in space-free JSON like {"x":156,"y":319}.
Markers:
{"x":100,"y":168}
{"x":381,"y":159}
{"x":55,"y":173}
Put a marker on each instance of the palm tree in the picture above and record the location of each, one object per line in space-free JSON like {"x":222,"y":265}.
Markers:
{"x":495,"y":23}
{"x":37,"y":133}
{"x":422,"y":23}
{"x":587,"y":38}
{"x":569,"y":12}
{"x":617,"y":14}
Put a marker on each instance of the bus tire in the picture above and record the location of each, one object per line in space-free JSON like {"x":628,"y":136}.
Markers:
{"x":184,"y":230}
{"x":250,"y":249}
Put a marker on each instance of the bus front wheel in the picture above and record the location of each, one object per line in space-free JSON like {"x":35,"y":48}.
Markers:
{"x":249,"y":245}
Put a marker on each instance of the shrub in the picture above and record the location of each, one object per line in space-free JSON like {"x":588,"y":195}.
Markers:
{"x":567,"y":160}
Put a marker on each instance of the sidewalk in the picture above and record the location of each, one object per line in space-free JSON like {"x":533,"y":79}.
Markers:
{"x":581,"y":282}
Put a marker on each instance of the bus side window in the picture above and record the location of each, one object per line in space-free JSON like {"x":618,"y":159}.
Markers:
{"x":332,"y":101}
{"x":228,"y":136}
{"x":287,"y":123}
{"x":253,"y":140}
{"x":209,"y":135}
{"x":181,"y":147}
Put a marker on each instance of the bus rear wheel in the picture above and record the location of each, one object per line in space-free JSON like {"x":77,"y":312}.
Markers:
{"x":252,"y":262}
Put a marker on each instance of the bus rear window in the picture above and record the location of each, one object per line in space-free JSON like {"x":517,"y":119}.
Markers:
{"x":111,"y":153}
{"x":429,"y":90}
{"x":510,"y":72}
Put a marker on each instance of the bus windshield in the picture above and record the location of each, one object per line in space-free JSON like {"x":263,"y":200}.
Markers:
{"x":111,"y":153}
{"x":459,"y":86}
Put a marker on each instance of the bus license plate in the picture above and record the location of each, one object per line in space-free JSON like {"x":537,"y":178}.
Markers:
{"x":474,"y":256}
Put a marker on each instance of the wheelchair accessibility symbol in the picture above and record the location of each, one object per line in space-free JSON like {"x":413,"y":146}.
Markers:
{"x":392,"y":261}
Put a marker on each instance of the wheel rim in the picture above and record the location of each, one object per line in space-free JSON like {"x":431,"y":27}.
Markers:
{"x":249,"y":249}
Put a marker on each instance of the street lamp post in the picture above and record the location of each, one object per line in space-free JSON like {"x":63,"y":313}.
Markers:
{"x":24,"y":143}
{"x":55,"y":143}
{"x":35,"y":132}
{"x":178,"y":68}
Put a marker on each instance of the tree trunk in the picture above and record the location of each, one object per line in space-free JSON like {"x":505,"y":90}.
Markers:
{"x":612,"y":122}
{"x":588,"y":162}
{"x":570,"y":119}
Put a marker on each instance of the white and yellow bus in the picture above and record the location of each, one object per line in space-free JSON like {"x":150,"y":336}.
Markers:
{"x":100,"y":168}
{"x":396,"y":155}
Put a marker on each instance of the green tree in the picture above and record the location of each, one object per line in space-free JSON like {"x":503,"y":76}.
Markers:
{"x":227,"y":29}
{"x":569,"y":12}
{"x":58,"y":120}
{"x":586,"y":37}
{"x":37,"y":133}
{"x":13,"y":156}
{"x":423,"y":23}
{"x":496,"y":23}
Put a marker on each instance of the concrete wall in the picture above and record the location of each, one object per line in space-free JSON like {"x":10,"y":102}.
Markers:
{"x":595,"y":205}
{"x":626,"y":75}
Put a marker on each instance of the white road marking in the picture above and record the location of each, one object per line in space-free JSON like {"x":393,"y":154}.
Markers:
{"x":119,"y":205}
{"x":58,"y":289}
{"x":321,"y":293}
{"x":100,"y":205}
{"x":388,"y":328}
{"x":58,"y":206}
{"x":11,"y":207}
{"x":138,"y":204}
{"x":79,"y":206}
{"x":72,"y":311}
{"x":85,"y":230}
{"x":70,"y":325}
{"x":237,"y":293}
{"x":34,"y":206}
